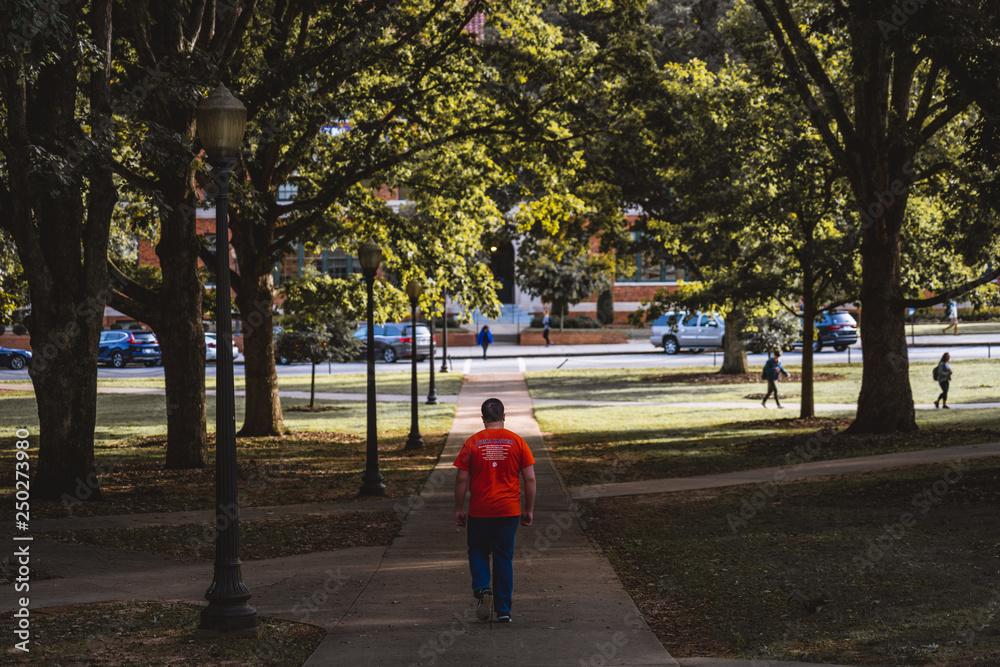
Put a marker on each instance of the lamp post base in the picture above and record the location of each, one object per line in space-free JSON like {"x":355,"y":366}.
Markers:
{"x":229,"y":621}
{"x":415,"y":441}
{"x":371,"y":485}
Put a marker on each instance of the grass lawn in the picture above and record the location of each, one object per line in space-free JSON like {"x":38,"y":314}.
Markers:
{"x":905,"y":561}
{"x":445,"y":384}
{"x":636,"y":442}
{"x":975,"y":380}
{"x":935,"y":329}
{"x":153,"y":633}
{"x":321,"y":459}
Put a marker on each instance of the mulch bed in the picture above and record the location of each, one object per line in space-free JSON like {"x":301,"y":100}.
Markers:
{"x":793,"y":423}
{"x":140,"y":632}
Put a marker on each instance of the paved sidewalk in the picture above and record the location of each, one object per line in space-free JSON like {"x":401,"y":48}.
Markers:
{"x":569,"y":607}
{"x":791,"y":473}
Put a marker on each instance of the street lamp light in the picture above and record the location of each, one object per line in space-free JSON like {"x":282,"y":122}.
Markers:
{"x":413,"y":290}
{"x":221,"y":120}
{"x":370,"y":256}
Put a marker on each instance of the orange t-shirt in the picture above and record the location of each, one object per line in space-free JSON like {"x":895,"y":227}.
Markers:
{"x":494,"y":458}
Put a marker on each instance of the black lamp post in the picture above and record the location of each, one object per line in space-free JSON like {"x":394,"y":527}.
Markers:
{"x":370,"y":256}
{"x":444,"y":336}
{"x":432,"y":397}
{"x":413,"y":290}
{"x":221,"y":121}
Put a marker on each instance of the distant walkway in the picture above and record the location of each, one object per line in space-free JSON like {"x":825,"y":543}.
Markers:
{"x":792,"y":473}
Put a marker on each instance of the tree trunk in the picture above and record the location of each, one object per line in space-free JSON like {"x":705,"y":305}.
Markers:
{"x":262,"y":416}
{"x":64,"y":374}
{"x":312,"y":385}
{"x":734,"y":350}
{"x":183,"y":347}
{"x":808,"y":408}
{"x":62,"y":241}
{"x":177,"y":322}
{"x":885,"y":404}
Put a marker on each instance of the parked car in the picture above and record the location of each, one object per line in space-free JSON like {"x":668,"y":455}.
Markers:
{"x":837,"y":330}
{"x":394,"y":341}
{"x":118,"y":348}
{"x":676,"y":330}
{"x":212,"y":348}
{"x":14,"y":359}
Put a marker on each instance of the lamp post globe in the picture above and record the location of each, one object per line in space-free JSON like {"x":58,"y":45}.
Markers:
{"x":413,"y":290}
{"x":221,"y":121}
{"x":370,"y":256}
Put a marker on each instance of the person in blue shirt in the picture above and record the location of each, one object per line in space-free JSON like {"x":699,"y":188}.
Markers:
{"x":771,"y":370}
{"x":484,"y":338}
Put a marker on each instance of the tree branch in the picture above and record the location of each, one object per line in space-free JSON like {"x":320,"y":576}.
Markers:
{"x":947,"y":295}
{"x":957,"y":105}
{"x":831,"y":101}
{"x":210,"y":261}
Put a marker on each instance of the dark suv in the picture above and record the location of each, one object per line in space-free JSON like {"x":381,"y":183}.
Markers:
{"x":837,"y":330}
{"x":118,"y":348}
{"x":394,"y":341}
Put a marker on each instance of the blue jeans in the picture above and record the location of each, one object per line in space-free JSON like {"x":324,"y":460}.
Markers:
{"x":493,"y":535}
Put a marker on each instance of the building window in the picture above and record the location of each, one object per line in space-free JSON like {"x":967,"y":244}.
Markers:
{"x":650,"y":269}
{"x":287,"y":192}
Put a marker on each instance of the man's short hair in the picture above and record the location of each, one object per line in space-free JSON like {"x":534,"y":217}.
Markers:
{"x":492,"y":410}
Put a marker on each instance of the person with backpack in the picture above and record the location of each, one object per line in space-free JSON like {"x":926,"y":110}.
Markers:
{"x":771,"y":370}
{"x":952,"y":315}
{"x":484,"y":338}
{"x":942,"y":373}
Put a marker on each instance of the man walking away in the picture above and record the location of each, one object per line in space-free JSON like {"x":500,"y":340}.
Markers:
{"x":546,"y":326}
{"x":490,"y":466}
{"x":771,"y":370}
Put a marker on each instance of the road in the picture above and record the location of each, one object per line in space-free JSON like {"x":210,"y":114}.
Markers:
{"x":510,"y":358}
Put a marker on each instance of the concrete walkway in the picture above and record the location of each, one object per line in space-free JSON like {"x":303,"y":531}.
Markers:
{"x":791,"y":473}
{"x":417,"y":609}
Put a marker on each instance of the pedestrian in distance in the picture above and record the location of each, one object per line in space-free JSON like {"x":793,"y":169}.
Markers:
{"x":952,"y":313}
{"x":546,"y":326}
{"x":490,"y":466}
{"x":943,"y":376}
{"x":484,"y":338}
{"x":771,"y":370}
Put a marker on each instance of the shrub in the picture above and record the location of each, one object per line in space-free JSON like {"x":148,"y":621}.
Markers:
{"x":766,"y":334}
{"x":606,"y":307}
{"x":19,"y":329}
{"x":578,"y":322}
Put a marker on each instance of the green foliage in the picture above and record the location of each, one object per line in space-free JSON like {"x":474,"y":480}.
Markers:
{"x":769,"y":333}
{"x":13,"y":282}
{"x":316,"y":346}
{"x":314,"y":299}
{"x":606,"y":307}
{"x":559,"y":272}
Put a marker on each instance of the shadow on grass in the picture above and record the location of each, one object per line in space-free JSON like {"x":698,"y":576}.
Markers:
{"x":906,"y":558}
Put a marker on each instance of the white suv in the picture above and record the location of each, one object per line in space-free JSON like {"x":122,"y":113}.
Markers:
{"x":675,"y":330}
